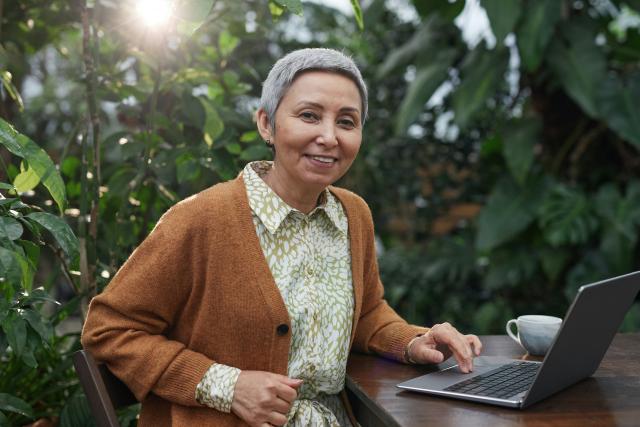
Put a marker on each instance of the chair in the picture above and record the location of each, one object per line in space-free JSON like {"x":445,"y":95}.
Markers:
{"x":105,"y":391}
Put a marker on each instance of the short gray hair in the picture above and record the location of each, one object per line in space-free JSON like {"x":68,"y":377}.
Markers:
{"x":287,"y":68}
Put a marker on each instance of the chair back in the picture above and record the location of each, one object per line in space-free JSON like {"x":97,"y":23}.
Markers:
{"x":105,"y":391}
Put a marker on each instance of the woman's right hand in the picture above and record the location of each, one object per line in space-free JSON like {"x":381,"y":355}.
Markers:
{"x":264,"y":398}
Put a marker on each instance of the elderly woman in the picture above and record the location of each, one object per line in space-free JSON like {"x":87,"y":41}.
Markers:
{"x":242,"y":305}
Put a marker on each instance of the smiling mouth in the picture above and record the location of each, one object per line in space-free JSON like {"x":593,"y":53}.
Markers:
{"x":323,"y":159}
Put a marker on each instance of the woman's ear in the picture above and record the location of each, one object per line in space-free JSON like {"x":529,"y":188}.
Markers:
{"x":264,"y":127}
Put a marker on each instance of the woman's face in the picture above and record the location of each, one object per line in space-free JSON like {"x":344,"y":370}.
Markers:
{"x":318,"y":130}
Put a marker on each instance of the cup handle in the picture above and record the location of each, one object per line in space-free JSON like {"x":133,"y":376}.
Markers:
{"x":509,"y":331}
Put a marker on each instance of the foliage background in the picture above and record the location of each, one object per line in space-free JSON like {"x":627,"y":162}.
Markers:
{"x":502,"y":173}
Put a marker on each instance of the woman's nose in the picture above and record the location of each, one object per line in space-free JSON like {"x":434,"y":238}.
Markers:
{"x":327,"y":135}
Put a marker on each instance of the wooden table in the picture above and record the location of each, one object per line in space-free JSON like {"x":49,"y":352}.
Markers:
{"x":611,"y":397}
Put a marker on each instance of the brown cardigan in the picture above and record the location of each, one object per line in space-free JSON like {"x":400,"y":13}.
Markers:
{"x":198,"y":290}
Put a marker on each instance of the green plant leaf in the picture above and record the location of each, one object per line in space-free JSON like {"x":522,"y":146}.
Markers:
{"x":357,"y":12}
{"x":445,"y":8}
{"x":38,"y":323}
{"x":5,"y":78}
{"x":187,"y":168}
{"x":483,"y":71}
{"x":619,"y":105}
{"x":293,"y":6}
{"x":566,"y":217}
{"x":10,"y":268}
{"x":194,"y":10}
{"x":503,"y":15}
{"x":227,"y":42}
{"x":26,"y":180}
{"x":509,"y":210}
{"x":10,"y":403}
{"x":16,"y":330}
{"x":38,"y":160}
{"x":533,"y":35}
{"x":213,"y":126}
{"x":10,"y":228}
{"x":421,"y":88}
{"x":60,"y":231}
{"x":519,"y":138}
{"x":578,"y":63}
{"x":76,"y":412}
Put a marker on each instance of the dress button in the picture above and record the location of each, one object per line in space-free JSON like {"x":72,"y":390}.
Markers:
{"x":282,"y":329}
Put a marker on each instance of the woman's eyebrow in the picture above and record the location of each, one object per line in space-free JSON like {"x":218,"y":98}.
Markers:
{"x":321,"y":107}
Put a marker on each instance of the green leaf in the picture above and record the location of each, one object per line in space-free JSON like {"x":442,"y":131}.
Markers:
{"x":187,"y":168}
{"x":234,"y":148}
{"x":249,"y":136}
{"x":510,"y":210}
{"x":427,"y":38}
{"x":227,"y":42}
{"x":26,"y":180}
{"x":619,"y":105}
{"x":194,"y":10}
{"x":36,"y":321}
{"x":16,"y":329}
{"x":579,"y":64}
{"x":70,"y":165}
{"x":256,"y":152}
{"x":293,"y":6}
{"x":213,"y":126}
{"x":10,"y":268}
{"x":553,"y":262}
{"x":519,"y":138}
{"x":38,"y":160}
{"x":76,"y":412}
{"x":427,"y":80}
{"x":10,"y":228}
{"x":5,"y":78}
{"x":276,"y":10}
{"x":60,"y":231}
{"x":534,"y":34}
{"x":10,"y":403}
{"x":357,"y":12}
{"x":566,"y":217}
{"x":445,"y":8}
{"x":482,"y":73}
{"x":503,"y":15}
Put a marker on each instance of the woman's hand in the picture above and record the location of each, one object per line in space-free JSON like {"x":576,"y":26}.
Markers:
{"x":264,"y":398}
{"x":441,"y":342}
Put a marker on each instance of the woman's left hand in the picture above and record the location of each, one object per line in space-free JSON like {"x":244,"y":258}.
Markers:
{"x":442,"y":341}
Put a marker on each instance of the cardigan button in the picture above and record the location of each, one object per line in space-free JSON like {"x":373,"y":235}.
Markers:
{"x":282,"y":329}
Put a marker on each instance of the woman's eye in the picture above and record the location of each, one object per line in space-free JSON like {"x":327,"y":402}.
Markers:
{"x":308,"y":115}
{"x":347,"y":123}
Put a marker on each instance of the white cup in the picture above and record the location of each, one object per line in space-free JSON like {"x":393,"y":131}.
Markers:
{"x":535,"y":332}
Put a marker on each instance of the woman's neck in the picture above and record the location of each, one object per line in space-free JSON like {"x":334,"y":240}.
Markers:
{"x":301,"y":199}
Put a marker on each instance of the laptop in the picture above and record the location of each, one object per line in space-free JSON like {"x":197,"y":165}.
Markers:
{"x":576,"y":352}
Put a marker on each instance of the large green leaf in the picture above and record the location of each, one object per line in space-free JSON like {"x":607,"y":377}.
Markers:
{"x":567,"y":217}
{"x":10,"y":403}
{"x":422,"y":87}
{"x":579,"y":64}
{"x":428,"y":38}
{"x":194,"y":10}
{"x":10,"y":228}
{"x":510,"y":209}
{"x":519,"y":138}
{"x":503,"y":15}
{"x":60,"y":231}
{"x":482,"y":73}
{"x":445,"y":8}
{"x":539,"y":21}
{"x":11,"y":270}
{"x":213,"y":125}
{"x":16,"y":330}
{"x":37,"y":322}
{"x":76,"y":412}
{"x":619,"y":105}
{"x":26,"y":180}
{"x":38,"y":160}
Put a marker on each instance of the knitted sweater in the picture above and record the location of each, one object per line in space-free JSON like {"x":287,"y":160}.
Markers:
{"x":198,"y":290}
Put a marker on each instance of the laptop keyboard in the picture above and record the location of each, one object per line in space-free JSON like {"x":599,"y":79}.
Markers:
{"x":503,"y":382}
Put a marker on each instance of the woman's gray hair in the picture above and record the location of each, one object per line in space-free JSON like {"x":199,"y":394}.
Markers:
{"x":287,"y":68}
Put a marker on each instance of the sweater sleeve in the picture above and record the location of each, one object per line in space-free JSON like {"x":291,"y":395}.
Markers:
{"x":380,"y":329}
{"x":127,"y":325}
